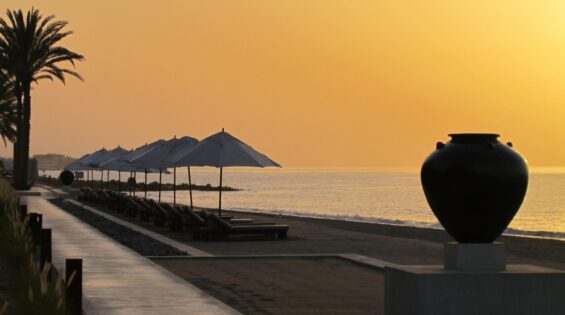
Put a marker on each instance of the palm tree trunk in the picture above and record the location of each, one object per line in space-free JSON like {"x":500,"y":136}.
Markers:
{"x":22,"y":160}
{"x":17,"y":143}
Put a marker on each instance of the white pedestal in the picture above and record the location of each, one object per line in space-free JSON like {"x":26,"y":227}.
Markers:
{"x":474,"y":256}
{"x":431,"y":290}
{"x":466,"y":286}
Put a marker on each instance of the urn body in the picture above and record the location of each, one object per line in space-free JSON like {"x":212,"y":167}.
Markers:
{"x":475,"y":186}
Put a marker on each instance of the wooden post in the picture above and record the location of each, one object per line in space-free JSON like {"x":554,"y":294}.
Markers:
{"x":220,"y":204}
{"x":160,"y":176}
{"x":73,"y":293}
{"x":45,"y":253}
{"x":23,"y":212}
{"x":190,"y":188}
{"x":34,"y":224}
{"x":145,"y":185}
{"x":134,"y":182}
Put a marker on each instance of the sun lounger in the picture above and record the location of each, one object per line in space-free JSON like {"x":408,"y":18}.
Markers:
{"x":160,"y":215}
{"x":220,"y":228}
{"x":176,"y":218}
{"x":119,"y":202}
{"x":89,"y":195}
{"x":193,"y":219}
{"x":196,"y":218}
{"x":84,"y":194}
{"x":105,"y":198}
{"x":131,"y":205}
{"x":145,"y":211}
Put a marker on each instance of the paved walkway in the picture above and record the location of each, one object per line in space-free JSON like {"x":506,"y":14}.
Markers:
{"x":161,"y":238}
{"x":117,"y":280}
{"x":195,"y":253}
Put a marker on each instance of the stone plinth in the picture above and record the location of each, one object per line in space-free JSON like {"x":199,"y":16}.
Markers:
{"x":520,"y":289}
{"x":474,"y":256}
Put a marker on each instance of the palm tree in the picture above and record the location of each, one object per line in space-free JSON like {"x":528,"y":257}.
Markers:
{"x":8,"y":115}
{"x":29,"y":52}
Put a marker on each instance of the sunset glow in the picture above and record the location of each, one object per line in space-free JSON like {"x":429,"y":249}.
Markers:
{"x":310,"y":83}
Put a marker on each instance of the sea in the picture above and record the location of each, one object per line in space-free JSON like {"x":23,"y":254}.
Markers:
{"x":383,"y":195}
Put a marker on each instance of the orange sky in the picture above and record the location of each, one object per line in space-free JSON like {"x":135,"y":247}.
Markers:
{"x":309,"y":83}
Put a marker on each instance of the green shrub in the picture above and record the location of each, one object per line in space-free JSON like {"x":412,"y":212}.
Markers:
{"x":36,"y":295}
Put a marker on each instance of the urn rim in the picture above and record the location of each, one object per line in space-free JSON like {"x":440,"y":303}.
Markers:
{"x":473,"y":137}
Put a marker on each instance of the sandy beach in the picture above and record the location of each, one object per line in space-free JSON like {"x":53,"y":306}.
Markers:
{"x":395,"y":244}
{"x":302,"y":284}
{"x":290,"y":285}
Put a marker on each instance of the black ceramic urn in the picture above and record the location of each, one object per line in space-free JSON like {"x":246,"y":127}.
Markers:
{"x":475,"y":185}
{"x":66,"y":177}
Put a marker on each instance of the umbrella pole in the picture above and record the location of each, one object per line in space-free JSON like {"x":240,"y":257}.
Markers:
{"x":102,"y":179}
{"x":145,"y":186}
{"x":108,"y":178}
{"x":220,"y":204}
{"x":134,"y":182}
{"x":119,"y":181}
{"x":174,"y":185}
{"x":129,"y":185}
{"x":160,"y":176}
{"x":190,"y":187}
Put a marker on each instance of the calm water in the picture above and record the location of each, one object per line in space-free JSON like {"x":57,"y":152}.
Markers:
{"x":389,"y":196}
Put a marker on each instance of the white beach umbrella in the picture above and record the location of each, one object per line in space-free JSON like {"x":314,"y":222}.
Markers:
{"x":128,"y":157}
{"x":136,"y":153}
{"x":75,"y":166}
{"x":164,"y":156}
{"x":108,"y":155}
{"x":84,"y":161}
{"x":115,"y":164}
{"x":82,"y":164}
{"x":118,"y":164}
{"x":224,"y":150}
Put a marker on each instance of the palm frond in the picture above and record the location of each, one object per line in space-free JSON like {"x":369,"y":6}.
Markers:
{"x":8,"y":115}
{"x":30,"y":50}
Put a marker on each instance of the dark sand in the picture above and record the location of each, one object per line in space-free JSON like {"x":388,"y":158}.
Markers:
{"x":396,"y":244}
{"x":286,"y":285}
{"x":323,"y":285}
